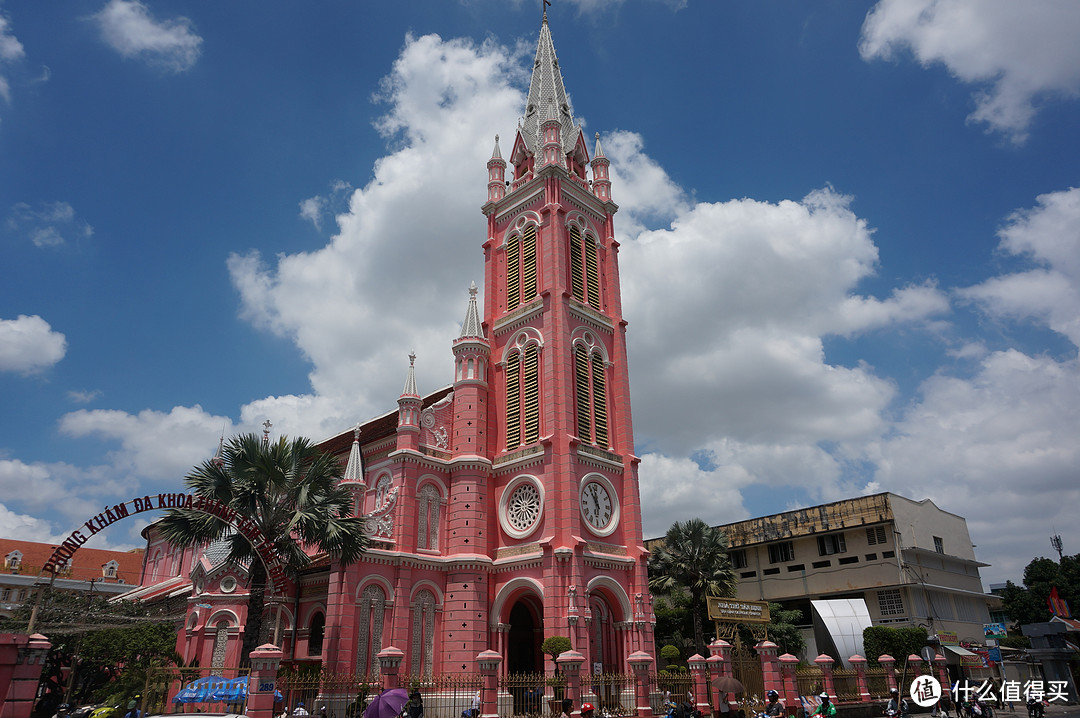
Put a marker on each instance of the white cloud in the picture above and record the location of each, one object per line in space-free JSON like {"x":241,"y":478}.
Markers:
{"x":11,"y":50}
{"x":1049,"y":235}
{"x":28,"y":344}
{"x":1015,"y":53}
{"x":52,"y":224}
{"x":728,"y":310}
{"x":311,"y":209}
{"x":83,"y":397}
{"x":128,"y":27}
{"x":154,"y":445}
{"x":390,"y":272}
{"x":70,"y":490}
{"x":21,"y":525}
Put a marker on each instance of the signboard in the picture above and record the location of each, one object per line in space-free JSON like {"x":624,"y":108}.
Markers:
{"x":948,"y":638}
{"x":994,"y":654}
{"x":996,"y":630}
{"x":733,"y":611}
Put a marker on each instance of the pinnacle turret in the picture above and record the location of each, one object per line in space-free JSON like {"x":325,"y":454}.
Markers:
{"x":410,"y":378}
{"x":354,"y":470}
{"x":471,"y":327}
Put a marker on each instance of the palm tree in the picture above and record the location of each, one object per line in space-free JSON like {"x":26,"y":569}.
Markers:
{"x":693,"y":559}
{"x":288,"y":488}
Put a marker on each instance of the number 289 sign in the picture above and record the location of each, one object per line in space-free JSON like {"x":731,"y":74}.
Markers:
{"x":266,"y":687}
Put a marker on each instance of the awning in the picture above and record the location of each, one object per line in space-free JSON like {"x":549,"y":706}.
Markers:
{"x":844,"y":619}
{"x":960,"y":651}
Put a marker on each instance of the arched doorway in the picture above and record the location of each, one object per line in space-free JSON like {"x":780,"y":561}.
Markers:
{"x":524,"y":639}
{"x":603,"y":648}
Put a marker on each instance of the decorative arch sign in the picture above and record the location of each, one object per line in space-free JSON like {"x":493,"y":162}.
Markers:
{"x":247,"y":528}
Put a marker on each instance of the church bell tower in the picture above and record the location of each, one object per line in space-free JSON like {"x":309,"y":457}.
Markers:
{"x":564,"y":480}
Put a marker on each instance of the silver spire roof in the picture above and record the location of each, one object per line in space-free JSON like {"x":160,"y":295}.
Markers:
{"x":547,"y":92}
{"x":410,"y":378}
{"x":354,"y":470}
{"x":471,"y":327}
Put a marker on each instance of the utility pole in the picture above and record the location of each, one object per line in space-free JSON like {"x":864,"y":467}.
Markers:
{"x":1055,"y":541}
{"x":78,"y":645}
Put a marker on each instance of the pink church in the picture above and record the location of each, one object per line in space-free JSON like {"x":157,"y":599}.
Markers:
{"x":502,"y":509}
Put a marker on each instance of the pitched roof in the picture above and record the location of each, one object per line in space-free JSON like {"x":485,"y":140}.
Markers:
{"x":86,"y":564}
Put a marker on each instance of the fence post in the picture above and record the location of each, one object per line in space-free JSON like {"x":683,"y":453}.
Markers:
{"x":27,"y":655}
{"x":889,"y":664}
{"x":943,"y":675}
{"x":860,"y":677}
{"x":570,"y":666}
{"x":640,"y":663}
{"x":389,"y":664}
{"x":770,"y":665}
{"x":262,"y":681}
{"x":914,"y":669}
{"x":721,"y":651}
{"x":488,"y":662}
{"x":790,"y":690}
{"x":697,"y":673}
{"x":825,"y":663}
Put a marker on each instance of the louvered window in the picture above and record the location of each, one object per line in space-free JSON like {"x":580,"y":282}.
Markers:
{"x":599,"y":400}
{"x":581,"y":371}
{"x":513,"y":401}
{"x":523,"y":397}
{"x":584,"y":276}
{"x":591,"y":386}
{"x":521,"y":268}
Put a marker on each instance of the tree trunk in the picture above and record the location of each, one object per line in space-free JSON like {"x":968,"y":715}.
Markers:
{"x":256,"y":603}
{"x":699,"y":631}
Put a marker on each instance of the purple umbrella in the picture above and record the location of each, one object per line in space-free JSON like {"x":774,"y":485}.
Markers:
{"x":387,"y":704}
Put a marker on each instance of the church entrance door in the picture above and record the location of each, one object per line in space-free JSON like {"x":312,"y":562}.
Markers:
{"x":526,"y":635}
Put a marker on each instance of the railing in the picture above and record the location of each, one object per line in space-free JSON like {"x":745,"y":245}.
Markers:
{"x":846,"y":684}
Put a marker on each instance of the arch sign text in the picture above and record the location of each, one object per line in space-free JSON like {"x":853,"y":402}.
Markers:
{"x":244,"y":526}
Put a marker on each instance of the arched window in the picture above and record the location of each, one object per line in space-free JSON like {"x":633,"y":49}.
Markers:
{"x":584,"y":275}
{"x":523,"y":396}
{"x":427,"y":521}
{"x":13,"y":560}
{"x":591,"y":389}
{"x":421,"y":660}
{"x":315,"y":634}
{"x":369,"y":642}
{"x":521,"y":267}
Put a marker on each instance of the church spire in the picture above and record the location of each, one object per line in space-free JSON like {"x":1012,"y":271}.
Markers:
{"x":546,"y":91}
{"x":354,"y":470}
{"x":410,"y":378}
{"x":471,"y":327}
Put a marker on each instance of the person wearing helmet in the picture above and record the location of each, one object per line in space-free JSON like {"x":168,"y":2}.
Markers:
{"x":896,"y":706}
{"x":587,"y":710}
{"x":773,"y":706}
{"x":826,"y":708}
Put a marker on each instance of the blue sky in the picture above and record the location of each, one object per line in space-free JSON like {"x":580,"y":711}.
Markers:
{"x":850,"y":240}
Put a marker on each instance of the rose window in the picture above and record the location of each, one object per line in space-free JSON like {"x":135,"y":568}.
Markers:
{"x":523,"y":509}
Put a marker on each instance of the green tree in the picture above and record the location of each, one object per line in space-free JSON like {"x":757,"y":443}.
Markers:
{"x":671,"y":654}
{"x":783,"y":629}
{"x":896,"y":642}
{"x":1027,"y":604}
{"x":554,"y":646}
{"x":288,"y":488}
{"x":693,"y":558}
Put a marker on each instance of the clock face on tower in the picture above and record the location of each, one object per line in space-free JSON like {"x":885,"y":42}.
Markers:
{"x":599,"y":505}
